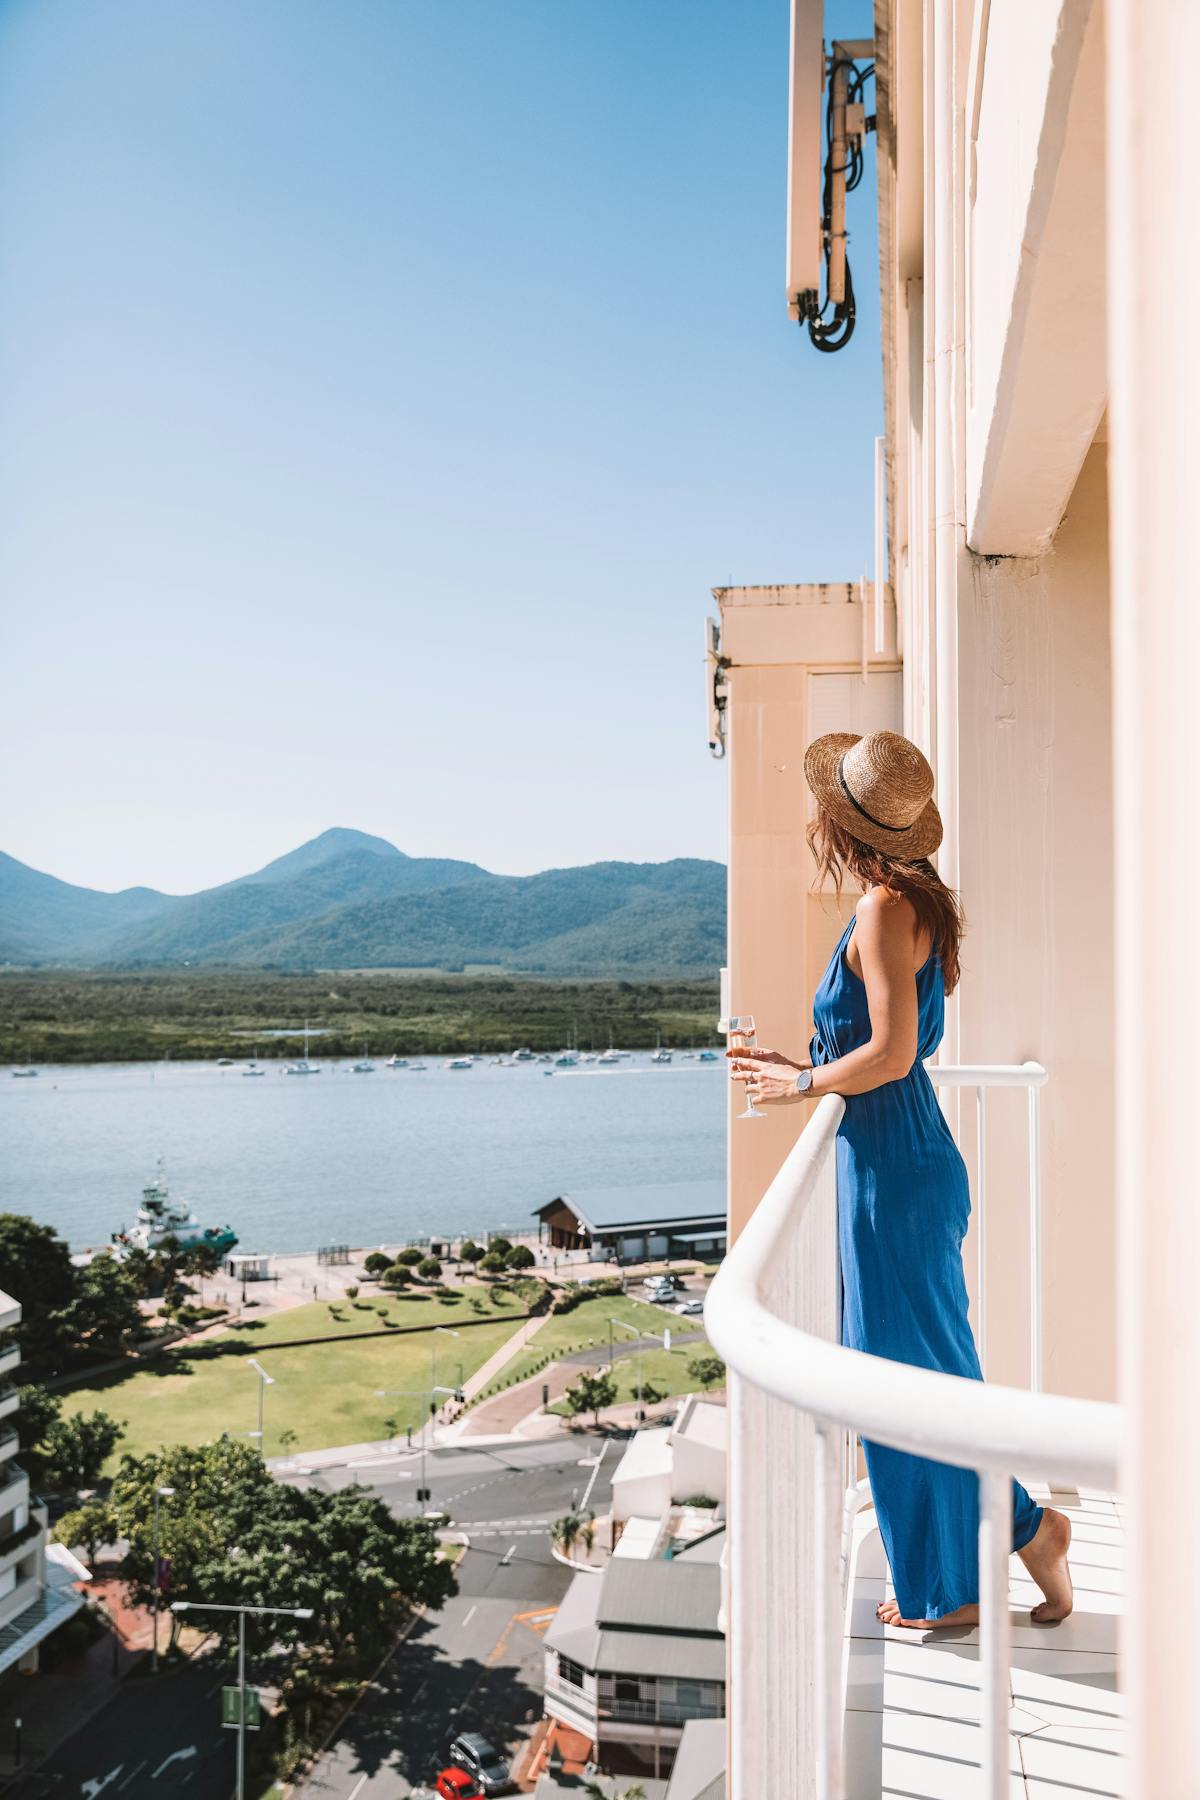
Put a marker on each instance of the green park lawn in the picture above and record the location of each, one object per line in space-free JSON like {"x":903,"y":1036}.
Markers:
{"x":666,"y":1370}
{"x":325,"y":1393}
{"x":373,"y":1310}
{"x":586,"y":1327}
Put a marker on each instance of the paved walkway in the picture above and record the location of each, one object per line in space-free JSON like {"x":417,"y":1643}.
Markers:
{"x":529,"y":1328}
{"x":56,"y":1702}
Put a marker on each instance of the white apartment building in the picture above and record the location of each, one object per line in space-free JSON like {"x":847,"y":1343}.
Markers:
{"x":37,"y":1594}
{"x":1032,"y":627}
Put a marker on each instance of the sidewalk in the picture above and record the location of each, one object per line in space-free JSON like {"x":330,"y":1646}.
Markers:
{"x":53,"y":1704}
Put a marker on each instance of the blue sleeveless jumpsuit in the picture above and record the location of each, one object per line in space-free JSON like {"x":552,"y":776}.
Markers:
{"x":903,"y":1205}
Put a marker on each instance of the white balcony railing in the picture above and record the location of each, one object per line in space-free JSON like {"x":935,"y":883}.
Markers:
{"x":797,"y":1401}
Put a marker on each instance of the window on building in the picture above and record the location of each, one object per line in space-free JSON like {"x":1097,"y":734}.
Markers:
{"x":570,"y":1672}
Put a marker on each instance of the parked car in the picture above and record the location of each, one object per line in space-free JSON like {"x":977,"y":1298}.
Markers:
{"x":690,"y":1306}
{"x":482,"y":1761}
{"x":450,"y":1784}
{"x":661,"y":1284}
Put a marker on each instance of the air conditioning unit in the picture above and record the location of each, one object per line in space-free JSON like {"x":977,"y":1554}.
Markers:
{"x":806,"y":156}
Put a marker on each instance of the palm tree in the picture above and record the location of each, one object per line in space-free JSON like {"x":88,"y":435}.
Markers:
{"x":564,"y":1531}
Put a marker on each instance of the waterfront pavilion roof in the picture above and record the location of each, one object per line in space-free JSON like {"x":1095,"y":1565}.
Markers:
{"x":651,"y":1208}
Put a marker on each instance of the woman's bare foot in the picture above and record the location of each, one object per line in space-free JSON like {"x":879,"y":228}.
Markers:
{"x":889,"y":1614}
{"x":1045,"y":1556}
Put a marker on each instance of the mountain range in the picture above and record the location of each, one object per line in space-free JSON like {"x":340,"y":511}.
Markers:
{"x":349,"y":900}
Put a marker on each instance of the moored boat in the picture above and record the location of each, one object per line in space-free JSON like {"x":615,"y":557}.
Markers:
{"x":160,"y":1218}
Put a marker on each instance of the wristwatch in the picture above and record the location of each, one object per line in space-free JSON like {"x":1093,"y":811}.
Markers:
{"x":804,"y":1081}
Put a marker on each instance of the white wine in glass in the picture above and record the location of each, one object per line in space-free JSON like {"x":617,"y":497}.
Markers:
{"x":739,"y":1028}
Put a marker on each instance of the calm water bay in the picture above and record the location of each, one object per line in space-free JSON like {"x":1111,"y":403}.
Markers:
{"x":292,"y":1163}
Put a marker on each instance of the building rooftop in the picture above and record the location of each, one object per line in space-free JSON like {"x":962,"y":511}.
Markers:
{"x":666,"y":1203}
{"x":573,"y":1787}
{"x":702,"y":1422}
{"x":639,"y":1538}
{"x":644,"y":1618}
{"x":646,"y":1453}
{"x":699,"y":1769}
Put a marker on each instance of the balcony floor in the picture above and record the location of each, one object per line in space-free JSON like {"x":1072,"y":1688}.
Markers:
{"x":913,"y":1697}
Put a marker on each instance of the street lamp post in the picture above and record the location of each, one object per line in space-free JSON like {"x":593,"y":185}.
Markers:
{"x":428,"y":1395}
{"x":289,"y":1612}
{"x":639,"y":1335}
{"x":264,"y":1382}
{"x":445,"y":1331}
{"x":160,"y":1493}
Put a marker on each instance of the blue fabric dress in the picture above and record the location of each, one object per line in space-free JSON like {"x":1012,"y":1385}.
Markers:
{"x":903,"y":1205}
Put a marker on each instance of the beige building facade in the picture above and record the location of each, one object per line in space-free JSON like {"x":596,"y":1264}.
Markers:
{"x":1038,"y":236}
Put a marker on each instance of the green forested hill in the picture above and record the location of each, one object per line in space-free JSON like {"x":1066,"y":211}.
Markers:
{"x":348,"y":901}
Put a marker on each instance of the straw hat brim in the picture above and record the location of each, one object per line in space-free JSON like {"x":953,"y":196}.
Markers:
{"x":822,"y":760}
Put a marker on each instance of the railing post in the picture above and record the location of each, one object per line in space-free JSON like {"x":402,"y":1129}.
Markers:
{"x":827,"y":1552}
{"x":1035,"y":1240}
{"x":995,"y":1543}
{"x":981,"y":1219}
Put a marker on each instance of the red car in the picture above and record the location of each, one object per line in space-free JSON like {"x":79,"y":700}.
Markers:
{"x":456,"y":1784}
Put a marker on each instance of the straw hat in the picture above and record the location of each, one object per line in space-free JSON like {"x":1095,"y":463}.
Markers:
{"x":879,"y":788}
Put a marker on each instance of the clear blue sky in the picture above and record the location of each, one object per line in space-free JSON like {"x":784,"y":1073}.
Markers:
{"x":383,"y":386}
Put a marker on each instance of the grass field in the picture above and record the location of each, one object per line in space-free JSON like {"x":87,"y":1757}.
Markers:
{"x":667,"y":1370}
{"x":346,"y":1317}
{"x":585,"y":1327}
{"x":325,"y":1393}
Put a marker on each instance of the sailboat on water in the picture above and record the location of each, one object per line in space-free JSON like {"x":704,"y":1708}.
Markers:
{"x":303,"y":1067}
{"x":364,"y":1066}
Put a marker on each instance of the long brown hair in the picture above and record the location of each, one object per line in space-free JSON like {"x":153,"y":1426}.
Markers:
{"x":837,"y":853}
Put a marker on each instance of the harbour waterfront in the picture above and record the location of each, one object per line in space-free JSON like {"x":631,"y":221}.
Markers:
{"x":348,"y":1158}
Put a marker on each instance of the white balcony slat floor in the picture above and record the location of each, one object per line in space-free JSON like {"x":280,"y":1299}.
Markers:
{"x":913,"y":1698}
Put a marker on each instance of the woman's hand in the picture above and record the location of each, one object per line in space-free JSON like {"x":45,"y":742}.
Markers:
{"x":770,"y":1077}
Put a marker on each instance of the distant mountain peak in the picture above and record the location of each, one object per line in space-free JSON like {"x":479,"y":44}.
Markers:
{"x":339,"y":840}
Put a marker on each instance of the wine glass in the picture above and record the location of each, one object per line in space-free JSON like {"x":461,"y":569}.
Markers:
{"x":740,"y":1029}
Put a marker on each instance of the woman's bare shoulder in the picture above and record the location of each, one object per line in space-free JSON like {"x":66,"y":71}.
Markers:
{"x":884,"y":914}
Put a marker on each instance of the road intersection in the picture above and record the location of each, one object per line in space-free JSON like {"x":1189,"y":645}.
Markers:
{"x":476,"y":1665}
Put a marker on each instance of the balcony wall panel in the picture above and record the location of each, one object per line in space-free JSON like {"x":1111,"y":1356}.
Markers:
{"x":1036,"y":850}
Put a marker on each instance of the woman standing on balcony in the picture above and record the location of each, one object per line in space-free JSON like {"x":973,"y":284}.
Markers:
{"x":903,"y":1200}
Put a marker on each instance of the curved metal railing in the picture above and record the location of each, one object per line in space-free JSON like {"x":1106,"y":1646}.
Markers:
{"x":994,"y":1430}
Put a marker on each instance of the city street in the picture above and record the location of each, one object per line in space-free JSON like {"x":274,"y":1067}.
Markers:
{"x":477,"y":1665}
{"x":154,"y":1740}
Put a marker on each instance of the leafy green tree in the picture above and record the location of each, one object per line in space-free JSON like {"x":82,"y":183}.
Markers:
{"x":198,"y":1262}
{"x":492,"y":1263}
{"x":411,"y":1257}
{"x":396,"y":1276}
{"x":592,"y":1393}
{"x":377,"y":1262}
{"x":429,"y":1269}
{"x":520,"y":1257}
{"x":73,"y":1452}
{"x":650,"y":1394}
{"x":88,"y":1527}
{"x":36,"y":1269}
{"x":233,"y":1533}
{"x":469,"y":1251}
{"x":105,"y":1314}
{"x":38,"y":1412}
{"x":707,"y":1369}
{"x":501,"y":1245}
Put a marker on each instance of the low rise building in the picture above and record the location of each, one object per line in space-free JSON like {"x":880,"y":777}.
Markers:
{"x":632,"y":1656}
{"x":673,"y":1462}
{"x":639,"y":1224}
